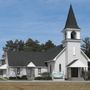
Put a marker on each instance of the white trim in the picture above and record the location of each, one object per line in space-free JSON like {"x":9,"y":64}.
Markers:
{"x":59,"y":54}
{"x":78,"y":64}
{"x":85,"y":55}
{"x":3,"y":66}
{"x":71,"y":29}
{"x":31,"y":64}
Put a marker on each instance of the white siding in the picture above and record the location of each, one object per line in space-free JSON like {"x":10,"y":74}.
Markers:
{"x":23,"y":71}
{"x":43,"y":69}
{"x":78,"y":35}
{"x":52,"y":66}
{"x":4,"y":73}
{"x":12,"y":72}
{"x":60,"y":60}
{"x":68,"y":35}
{"x":69,"y":51}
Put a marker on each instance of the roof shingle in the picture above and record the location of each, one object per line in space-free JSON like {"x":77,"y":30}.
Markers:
{"x":71,"y":20}
{"x":21,"y":58}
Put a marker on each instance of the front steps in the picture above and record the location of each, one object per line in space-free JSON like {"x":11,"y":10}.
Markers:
{"x":76,"y":79}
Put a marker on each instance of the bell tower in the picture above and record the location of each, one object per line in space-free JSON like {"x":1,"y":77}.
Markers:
{"x":71,"y":40}
{"x":71,"y":29}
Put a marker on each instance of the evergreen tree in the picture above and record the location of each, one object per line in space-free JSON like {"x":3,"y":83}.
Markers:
{"x":29,"y":45}
{"x":32,"y":45}
{"x":49,"y":45}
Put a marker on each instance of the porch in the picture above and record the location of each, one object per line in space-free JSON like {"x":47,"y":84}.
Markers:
{"x":76,"y":70}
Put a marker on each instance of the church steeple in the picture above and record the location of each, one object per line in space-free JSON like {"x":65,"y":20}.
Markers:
{"x":71,"y":30}
{"x":71,"y":20}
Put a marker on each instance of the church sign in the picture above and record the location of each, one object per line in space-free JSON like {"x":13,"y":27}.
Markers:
{"x":58,"y":75}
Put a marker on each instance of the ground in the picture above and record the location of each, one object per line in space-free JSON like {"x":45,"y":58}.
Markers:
{"x":12,"y":85}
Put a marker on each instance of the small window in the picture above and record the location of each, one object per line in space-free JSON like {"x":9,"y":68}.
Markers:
{"x":1,"y":72}
{"x":39,"y":70}
{"x":50,"y":68}
{"x":18,"y":70}
{"x":59,"y":67}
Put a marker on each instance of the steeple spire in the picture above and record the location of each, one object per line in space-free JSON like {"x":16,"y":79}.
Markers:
{"x":71,"y":20}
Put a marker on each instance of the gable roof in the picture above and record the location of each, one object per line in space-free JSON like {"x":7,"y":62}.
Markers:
{"x":71,"y":20}
{"x":21,"y":58}
{"x":3,"y":66}
{"x":82,"y":52}
{"x":72,"y":62}
{"x":77,"y":63}
{"x":52,"y":53}
{"x":31,"y":65}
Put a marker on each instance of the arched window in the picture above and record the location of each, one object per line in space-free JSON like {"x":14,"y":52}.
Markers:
{"x":73,"y":35}
{"x":50,"y":68}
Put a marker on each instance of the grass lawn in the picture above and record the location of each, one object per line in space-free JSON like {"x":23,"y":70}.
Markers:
{"x":44,"y":86}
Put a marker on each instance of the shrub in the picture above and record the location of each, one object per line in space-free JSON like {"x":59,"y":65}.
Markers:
{"x":18,"y":78}
{"x":44,"y":76}
{"x":89,"y":75}
{"x":12,"y":78}
{"x":86,"y":75}
{"x":47,"y":78}
{"x":38,"y":78}
{"x":24,"y":77}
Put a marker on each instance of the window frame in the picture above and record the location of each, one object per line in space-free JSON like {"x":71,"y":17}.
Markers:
{"x":39,"y":71}
{"x":59,"y":67}
{"x":18,"y":70}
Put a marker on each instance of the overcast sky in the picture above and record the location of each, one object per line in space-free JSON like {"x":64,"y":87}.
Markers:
{"x":40,"y":19}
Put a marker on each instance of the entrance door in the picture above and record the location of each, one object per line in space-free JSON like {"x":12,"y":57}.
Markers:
{"x":30,"y":73}
{"x":74,"y":72}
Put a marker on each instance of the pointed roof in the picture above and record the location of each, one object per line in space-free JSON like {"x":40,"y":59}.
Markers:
{"x":71,"y":20}
{"x":31,"y":64}
{"x":77,"y":63}
{"x":3,"y":66}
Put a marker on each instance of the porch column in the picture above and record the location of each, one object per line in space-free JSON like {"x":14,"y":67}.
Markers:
{"x":31,"y":73}
{"x":69,"y":73}
{"x":86,"y":75}
{"x":79,"y":72}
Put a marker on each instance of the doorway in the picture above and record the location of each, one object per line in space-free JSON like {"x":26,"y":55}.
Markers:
{"x":74,"y":72}
{"x":30,"y":73}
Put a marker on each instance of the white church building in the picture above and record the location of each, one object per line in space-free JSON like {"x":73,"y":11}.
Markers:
{"x":71,"y":60}
{"x":67,"y":63}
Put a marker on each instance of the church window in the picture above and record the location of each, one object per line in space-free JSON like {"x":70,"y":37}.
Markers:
{"x":73,"y":35}
{"x":59,"y":67}
{"x":18,"y":70}
{"x":39,"y":70}
{"x":50,"y":68}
